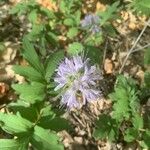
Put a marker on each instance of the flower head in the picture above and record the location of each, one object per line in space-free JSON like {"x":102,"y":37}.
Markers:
{"x":91,"y":22}
{"x":77,"y":79}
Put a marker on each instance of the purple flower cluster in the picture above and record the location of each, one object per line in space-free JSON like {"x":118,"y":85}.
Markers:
{"x":77,"y":79}
{"x":91,"y":22}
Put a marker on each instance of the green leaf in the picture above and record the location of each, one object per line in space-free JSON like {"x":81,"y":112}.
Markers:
{"x":145,"y":3}
{"x":131,"y":134}
{"x":31,"y":56}
{"x":36,"y":32}
{"x":14,"y":124}
{"x":29,"y":73}
{"x":33,"y":16}
{"x":52,"y":38}
{"x":75,"y":48}
{"x":44,"y":140}
{"x":109,"y":13}
{"x":72,"y":32}
{"x":52,"y":63}
{"x":50,"y":120}
{"x":50,"y":14}
{"x":106,"y":128}
{"x":109,"y":30}
{"x":54,"y":124}
{"x":30,"y":92}
{"x":125,"y":99}
{"x":77,"y":17}
{"x":26,"y":110}
{"x":147,"y":57}
{"x":95,"y":54}
{"x":7,"y":144}
{"x":145,"y":143}
{"x":137,"y":121}
{"x":141,"y":7}
{"x":20,"y":8}
{"x":69,"y":22}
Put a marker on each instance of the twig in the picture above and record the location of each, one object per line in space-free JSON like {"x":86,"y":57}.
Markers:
{"x":132,"y":48}
{"x":105,"y":50}
{"x":141,"y":48}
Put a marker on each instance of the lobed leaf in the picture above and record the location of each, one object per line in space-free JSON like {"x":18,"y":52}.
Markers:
{"x":14,"y":124}
{"x":30,"y":92}
{"x":52,"y":63}
{"x":44,"y":140}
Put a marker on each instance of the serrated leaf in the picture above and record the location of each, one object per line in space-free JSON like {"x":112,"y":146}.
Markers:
{"x":44,"y":140}
{"x":30,"y":92}
{"x":11,"y":144}
{"x":14,"y":124}
{"x":54,"y":124}
{"x":72,"y":32}
{"x":29,"y":72}
{"x":77,"y":17}
{"x":130,"y":135}
{"x":52,"y":38}
{"x":106,"y":128}
{"x":50,"y":120}
{"x":69,"y":22}
{"x":36,"y":32}
{"x":50,"y":14}
{"x":20,"y":8}
{"x":26,"y":110}
{"x":109,"y":13}
{"x":137,"y":121}
{"x":145,"y":143}
{"x":31,"y":56}
{"x":75,"y":48}
{"x":52,"y":63}
{"x":125,"y":99}
{"x":95,"y":54}
{"x":33,"y":16}
{"x":141,"y":6}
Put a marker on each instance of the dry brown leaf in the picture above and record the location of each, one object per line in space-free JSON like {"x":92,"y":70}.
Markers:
{"x":108,"y":66}
{"x":3,"y":89}
{"x":49,"y":4}
{"x":100,"y":7}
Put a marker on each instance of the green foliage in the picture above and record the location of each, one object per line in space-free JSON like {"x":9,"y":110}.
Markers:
{"x":26,"y":110}
{"x":28,"y":53}
{"x":29,"y":73}
{"x":43,"y":140}
{"x":30,"y":92}
{"x":141,"y":6}
{"x":7,"y":144}
{"x":52,"y":63}
{"x":75,"y":48}
{"x":14,"y":124}
{"x":32,"y":119}
{"x":107,"y":128}
{"x":26,"y":132}
{"x":125,"y":118}
{"x":125,"y":99}
{"x":109,"y":13}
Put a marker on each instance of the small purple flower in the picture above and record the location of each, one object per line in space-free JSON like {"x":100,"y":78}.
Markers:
{"x":77,"y":80}
{"x":91,"y":22}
